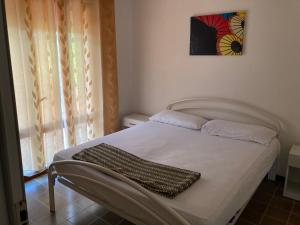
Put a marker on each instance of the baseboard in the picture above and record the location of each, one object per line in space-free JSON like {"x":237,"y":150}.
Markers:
{"x":29,"y":177}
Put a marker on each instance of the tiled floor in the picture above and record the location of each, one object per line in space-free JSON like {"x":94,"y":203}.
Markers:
{"x":267,"y":207}
{"x":71,"y":207}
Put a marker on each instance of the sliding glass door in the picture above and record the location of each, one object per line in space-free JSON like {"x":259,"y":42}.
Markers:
{"x":63,"y":55}
{"x":56,"y":62}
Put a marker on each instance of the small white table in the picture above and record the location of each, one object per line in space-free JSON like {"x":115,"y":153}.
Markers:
{"x":134,"y":119}
{"x":292,"y":180}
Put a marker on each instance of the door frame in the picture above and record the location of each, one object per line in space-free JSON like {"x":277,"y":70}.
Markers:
{"x":10,"y":154}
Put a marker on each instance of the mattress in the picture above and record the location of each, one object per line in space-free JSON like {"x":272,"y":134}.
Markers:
{"x":231,"y":170}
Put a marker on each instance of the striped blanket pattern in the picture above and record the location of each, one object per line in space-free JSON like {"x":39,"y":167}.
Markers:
{"x":162,"y":179}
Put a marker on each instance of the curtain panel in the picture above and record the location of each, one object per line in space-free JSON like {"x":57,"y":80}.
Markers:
{"x":109,"y":62}
{"x":64,"y":70}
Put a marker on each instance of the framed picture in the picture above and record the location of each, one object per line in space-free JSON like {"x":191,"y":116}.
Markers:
{"x":218,"y":34}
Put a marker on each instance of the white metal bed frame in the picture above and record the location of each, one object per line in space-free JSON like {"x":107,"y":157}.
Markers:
{"x":158,"y":213}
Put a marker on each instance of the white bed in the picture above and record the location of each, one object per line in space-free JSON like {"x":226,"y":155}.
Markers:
{"x":231,"y":170}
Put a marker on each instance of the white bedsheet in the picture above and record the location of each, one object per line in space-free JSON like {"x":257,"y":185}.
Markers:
{"x":231,"y":169}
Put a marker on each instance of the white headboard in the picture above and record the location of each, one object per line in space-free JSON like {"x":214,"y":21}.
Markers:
{"x":227,"y":109}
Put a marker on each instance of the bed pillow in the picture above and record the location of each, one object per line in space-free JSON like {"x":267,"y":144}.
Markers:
{"x":179,"y":119}
{"x":239,"y":131}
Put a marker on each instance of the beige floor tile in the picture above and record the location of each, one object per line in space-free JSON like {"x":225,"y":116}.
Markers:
{"x":294,"y":219}
{"x":66,"y":223}
{"x":98,"y":222}
{"x":97,"y":210}
{"x":33,"y":187}
{"x":278,"y":214}
{"x":125,"y":222}
{"x":267,"y":207}
{"x":271,"y":221}
{"x":112,"y":218}
{"x":83,"y":218}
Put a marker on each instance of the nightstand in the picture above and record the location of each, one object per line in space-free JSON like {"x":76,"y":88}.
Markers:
{"x":292,"y":180}
{"x":134,"y":119}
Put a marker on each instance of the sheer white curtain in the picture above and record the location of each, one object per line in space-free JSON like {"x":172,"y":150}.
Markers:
{"x":56,"y":61}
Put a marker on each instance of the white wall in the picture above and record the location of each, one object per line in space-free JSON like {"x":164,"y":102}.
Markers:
{"x":124,"y":25}
{"x":161,"y":70}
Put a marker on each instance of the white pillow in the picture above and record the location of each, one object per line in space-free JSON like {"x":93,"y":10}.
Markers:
{"x":239,"y":131}
{"x":179,"y":119}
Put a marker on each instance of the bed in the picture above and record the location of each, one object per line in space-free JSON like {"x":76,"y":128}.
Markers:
{"x":231,"y":169}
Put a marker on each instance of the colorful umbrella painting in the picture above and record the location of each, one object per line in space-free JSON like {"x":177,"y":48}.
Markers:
{"x":220,"y":34}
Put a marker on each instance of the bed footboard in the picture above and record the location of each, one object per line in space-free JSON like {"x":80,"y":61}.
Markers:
{"x":132,"y":209}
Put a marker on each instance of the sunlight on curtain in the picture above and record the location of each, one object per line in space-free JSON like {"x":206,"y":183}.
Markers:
{"x":56,"y":61}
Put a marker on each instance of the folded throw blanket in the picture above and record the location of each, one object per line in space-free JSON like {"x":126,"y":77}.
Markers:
{"x":162,"y":179}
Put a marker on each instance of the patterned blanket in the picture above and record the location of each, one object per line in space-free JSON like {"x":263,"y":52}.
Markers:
{"x":162,"y":179}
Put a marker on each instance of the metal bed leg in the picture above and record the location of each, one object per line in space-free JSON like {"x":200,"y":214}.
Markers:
{"x":51,"y":183}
